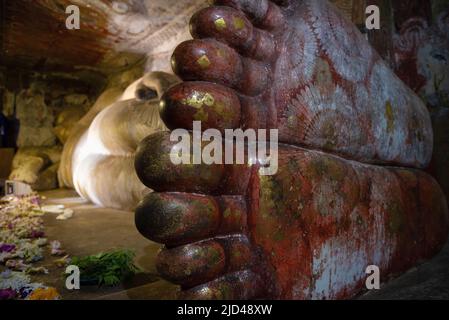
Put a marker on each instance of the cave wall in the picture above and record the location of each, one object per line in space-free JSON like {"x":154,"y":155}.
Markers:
{"x":414,"y":40}
{"x":38,"y":111}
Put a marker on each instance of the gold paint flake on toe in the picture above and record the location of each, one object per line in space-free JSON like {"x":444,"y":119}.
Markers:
{"x":238,"y":23}
{"x":221,"y":53}
{"x":220,"y":24}
{"x":201,"y":115}
{"x":203,"y":61}
{"x":390,"y":116}
{"x":198,"y":99}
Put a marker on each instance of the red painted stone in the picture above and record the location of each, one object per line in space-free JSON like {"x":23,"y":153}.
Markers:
{"x":314,"y":227}
{"x":311,"y":230}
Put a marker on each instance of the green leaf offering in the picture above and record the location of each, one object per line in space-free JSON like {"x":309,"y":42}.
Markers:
{"x":109,"y":268}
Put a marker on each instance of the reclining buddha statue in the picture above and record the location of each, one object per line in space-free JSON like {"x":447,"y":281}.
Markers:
{"x":98,"y":159}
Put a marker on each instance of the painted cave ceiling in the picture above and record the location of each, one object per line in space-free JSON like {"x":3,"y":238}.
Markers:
{"x":113,"y":34}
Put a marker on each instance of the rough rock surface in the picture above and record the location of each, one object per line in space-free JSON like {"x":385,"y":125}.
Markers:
{"x":37,"y":166}
{"x":36,"y":120}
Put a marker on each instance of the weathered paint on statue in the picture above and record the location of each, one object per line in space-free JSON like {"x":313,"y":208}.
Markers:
{"x":311,"y":230}
{"x":315,"y":78}
{"x":308,"y":232}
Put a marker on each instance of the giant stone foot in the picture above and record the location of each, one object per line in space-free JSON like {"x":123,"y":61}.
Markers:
{"x":311,"y":230}
{"x":303,"y":69}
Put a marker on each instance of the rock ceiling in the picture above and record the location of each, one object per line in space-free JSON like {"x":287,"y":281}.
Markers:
{"x":113,"y":34}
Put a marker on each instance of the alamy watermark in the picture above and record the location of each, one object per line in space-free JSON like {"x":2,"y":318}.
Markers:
{"x":251,"y":147}
{"x":74,"y":19}
{"x":72,"y":281}
{"x":373,"y":280}
{"x":372,"y":21}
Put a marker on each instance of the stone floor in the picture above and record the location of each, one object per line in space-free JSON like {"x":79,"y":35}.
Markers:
{"x":94,"y":229}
